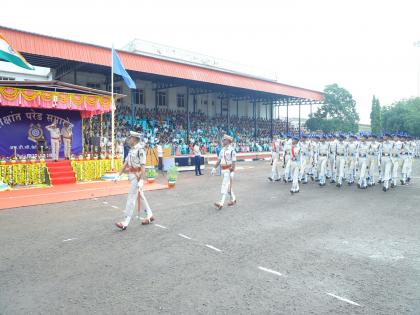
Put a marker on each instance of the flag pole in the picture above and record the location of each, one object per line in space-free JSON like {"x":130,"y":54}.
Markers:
{"x":113,"y":111}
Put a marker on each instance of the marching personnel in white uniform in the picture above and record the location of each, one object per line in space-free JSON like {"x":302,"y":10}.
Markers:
{"x":313,"y":156}
{"x":134,"y":164}
{"x":372,"y":159}
{"x":396,"y":157}
{"x":227,"y":162}
{"x":304,"y":159}
{"x":67,"y":135}
{"x":275,"y":158}
{"x":322,"y":158}
{"x":386,"y":161}
{"x":413,"y":147}
{"x":406,"y":153}
{"x":332,"y":159}
{"x":287,"y":154}
{"x":295,"y":166}
{"x":352,"y":148}
{"x":55,"y":140}
{"x":341,"y":157}
{"x":363,"y":150}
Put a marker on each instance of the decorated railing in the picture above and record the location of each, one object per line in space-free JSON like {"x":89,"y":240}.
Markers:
{"x":22,"y":173}
{"x":88,"y":170}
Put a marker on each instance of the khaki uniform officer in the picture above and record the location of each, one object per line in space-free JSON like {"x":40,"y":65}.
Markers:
{"x":55,"y":140}
{"x":227,"y":161}
{"x":134,"y":164}
{"x":67,"y":134}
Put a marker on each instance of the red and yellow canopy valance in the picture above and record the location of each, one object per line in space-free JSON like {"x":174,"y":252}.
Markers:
{"x":88,"y":104}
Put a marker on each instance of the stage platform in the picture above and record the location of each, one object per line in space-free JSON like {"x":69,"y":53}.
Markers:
{"x":38,"y":196}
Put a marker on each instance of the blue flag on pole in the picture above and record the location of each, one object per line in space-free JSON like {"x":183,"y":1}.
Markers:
{"x":119,"y":69}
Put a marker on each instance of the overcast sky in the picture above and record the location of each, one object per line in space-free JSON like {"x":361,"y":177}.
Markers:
{"x":365,"y":46}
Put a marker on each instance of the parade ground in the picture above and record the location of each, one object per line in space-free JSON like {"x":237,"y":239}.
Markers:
{"x":321,"y":251}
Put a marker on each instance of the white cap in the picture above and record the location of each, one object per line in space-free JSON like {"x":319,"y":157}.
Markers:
{"x":135,"y":134}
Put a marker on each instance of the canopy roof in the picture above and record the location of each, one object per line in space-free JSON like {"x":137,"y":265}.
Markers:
{"x":53,"y":52}
{"x":55,"y":95}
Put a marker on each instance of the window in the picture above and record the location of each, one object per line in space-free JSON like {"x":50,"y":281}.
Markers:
{"x":139,"y":97}
{"x":180,"y":100}
{"x":96,"y":86}
{"x":7,"y":79}
{"x":162,"y":99}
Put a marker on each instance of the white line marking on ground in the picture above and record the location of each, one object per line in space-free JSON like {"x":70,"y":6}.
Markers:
{"x":115,"y":207}
{"x":270,"y":271}
{"x":69,"y":239}
{"x":248,"y":160}
{"x":105,"y":202}
{"x":213,"y":248}
{"x":185,"y":236}
{"x":95,"y":198}
{"x":161,"y":226}
{"x":343,"y":299}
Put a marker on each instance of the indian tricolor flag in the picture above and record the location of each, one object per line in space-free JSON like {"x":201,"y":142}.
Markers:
{"x":9,"y":54}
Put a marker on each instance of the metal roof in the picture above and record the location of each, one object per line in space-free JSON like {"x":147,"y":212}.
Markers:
{"x":53,"y":51}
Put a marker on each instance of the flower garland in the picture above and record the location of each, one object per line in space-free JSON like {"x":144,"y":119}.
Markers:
{"x":23,"y":174}
{"x":88,"y":170}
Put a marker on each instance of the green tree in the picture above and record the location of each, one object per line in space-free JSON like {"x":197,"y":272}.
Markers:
{"x":338,"y":113}
{"x":402,"y":116}
{"x":376,"y":116}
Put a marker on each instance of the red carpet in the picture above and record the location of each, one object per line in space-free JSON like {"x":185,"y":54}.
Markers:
{"x":61,"y":193}
{"x":61,"y":172}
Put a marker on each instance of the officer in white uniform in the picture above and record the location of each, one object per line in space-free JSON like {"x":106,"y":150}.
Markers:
{"x":55,"y":140}
{"x":227,"y":162}
{"x":372,"y":159}
{"x":322,"y":158}
{"x":396,"y":159}
{"x":287,"y":154}
{"x":332,"y":159}
{"x":67,"y":135}
{"x":341,"y":157}
{"x":295,"y":166}
{"x":275,"y":158}
{"x":405,"y":158}
{"x":352,"y":156}
{"x":386,"y":150}
{"x":304,"y":159}
{"x":363,"y":150}
{"x":134,"y":164}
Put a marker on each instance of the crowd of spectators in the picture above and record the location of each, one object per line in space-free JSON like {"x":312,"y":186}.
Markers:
{"x":168,"y":128}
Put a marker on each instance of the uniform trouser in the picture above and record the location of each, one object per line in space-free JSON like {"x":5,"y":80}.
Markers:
{"x":351,"y":166}
{"x":287,"y":173}
{"x":362,"y":171}
{"x":313,"y":166}
{"x":406,"y":160}
{"x":197,"y":163}
{"x":410,"y":165}
{"x":294,"y":171}
{"x":55,"y":149}
{"x":386,"y":165}
{"x":275,"y":174}
{"x":372,"y":164}
{"x":331,"y":166}
{"x":340,"y":164}
{"x":67,"y":147}
{"x":395,"y":168}
{"x":227,"y":178}
{"x":303,"y":170}
{"x":132,"y":197}
{"x":322,"y":165}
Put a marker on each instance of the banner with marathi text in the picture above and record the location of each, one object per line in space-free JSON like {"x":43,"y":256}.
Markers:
{"x":24,"y":128}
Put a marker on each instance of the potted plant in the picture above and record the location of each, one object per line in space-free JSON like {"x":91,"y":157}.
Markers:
{"x":172,"y":176}
{"x":150,"y":174}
